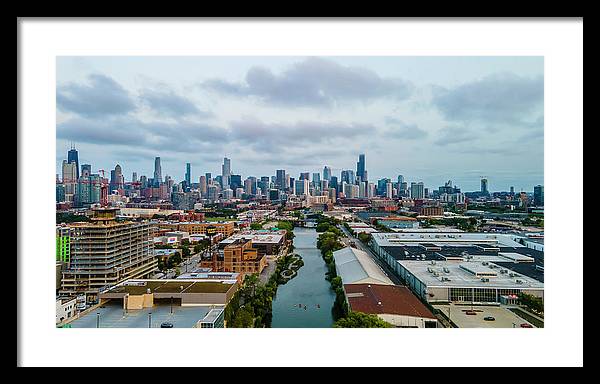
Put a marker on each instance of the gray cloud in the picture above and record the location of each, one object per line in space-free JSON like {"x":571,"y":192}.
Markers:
{"x":503,"y":98}
{"x":313,"y":82}
{"x":402,"y":130}
{"x":126,"y":130}
{"x":103,"y":96}
{"x":262,"y":135}
{"x":454,"y":135}
{"x":166,"y":102}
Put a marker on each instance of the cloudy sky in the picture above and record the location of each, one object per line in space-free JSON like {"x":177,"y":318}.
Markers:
{"x":431,"y":119}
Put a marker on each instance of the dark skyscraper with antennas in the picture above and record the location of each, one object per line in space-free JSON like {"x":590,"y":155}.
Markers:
{"x":72,"y":155}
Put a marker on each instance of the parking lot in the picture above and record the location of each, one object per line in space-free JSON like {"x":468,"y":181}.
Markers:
{"x":503,"y":317}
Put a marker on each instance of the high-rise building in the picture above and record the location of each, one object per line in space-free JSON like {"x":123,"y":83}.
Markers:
{"x":360,"y":167}
{"x":362,"y":189}
{"x":348,"y":176}
{"x":305,"y":176}
{"x":72,"y":156}
{"x":202,"y":186}
{"x":188,"y":175}
{"x":235,"y":181}
{"x":265,"y":185}
{"x":280,"y":179}
{"x":225,"y":172}
{"x":333,"y":182}
{"x":371,"y":190}
{"x":388,"y":190}
{"x":512,"y":190}
{"x":400,"y":180}
{"x":105,"y":252}
{"x":350,"y":191}
{"x":69,"y":177}
{"x":382,"y":186}
{"x":302,"y":187}
{"x":86,"y":169}
{"x":157,"y":172}
{"x":538,"y":195}
{"x":249,"y":186}
{"x":417,"y":190}
{"x":208,"y":176}
{"x":484,"y":187}
{"x":326,"y":173}
{"x":316,"y":179}
{"x":134,"y":177}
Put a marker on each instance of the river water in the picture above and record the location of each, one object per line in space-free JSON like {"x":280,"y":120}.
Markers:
{"x":308,"y":288}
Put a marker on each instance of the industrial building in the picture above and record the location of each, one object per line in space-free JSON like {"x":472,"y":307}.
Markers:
{"x":462,"y":267}
{"x":105,"y":252}
{"x":355,"y":266}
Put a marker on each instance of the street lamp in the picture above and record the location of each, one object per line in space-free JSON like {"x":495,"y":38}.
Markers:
{"x":171,"y":305}
{"x":149,"y":319}
{"x":97,"y":319}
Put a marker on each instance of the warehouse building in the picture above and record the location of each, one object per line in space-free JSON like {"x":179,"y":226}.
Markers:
{"x":356,"y":267}
{"x":462,"y":267}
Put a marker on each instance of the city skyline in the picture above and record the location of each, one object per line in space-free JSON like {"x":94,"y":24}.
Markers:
{"x":340,"y":175}
{"x":478,"y":115}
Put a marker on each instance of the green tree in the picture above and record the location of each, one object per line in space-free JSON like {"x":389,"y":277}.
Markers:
{"x":244,"y":318}
{"x":185,"y":251}
{"x":256,"y":226}
{"x":361,"y":320}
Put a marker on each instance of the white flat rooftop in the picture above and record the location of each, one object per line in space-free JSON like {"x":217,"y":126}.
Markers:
{"x":387,"y":239}
{"x":459,"y":277}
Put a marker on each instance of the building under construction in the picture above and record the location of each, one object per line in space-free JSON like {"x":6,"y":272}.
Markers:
{"x":105,"y":252}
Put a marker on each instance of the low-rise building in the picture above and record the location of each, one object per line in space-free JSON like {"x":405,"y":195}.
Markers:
{"x":65,"y":308}
{"x":392,"y":303}
{"x":355,"y":266}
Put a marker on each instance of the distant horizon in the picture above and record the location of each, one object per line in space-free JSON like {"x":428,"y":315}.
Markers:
{"x":195,"y":179}
{"x":431,"y":119}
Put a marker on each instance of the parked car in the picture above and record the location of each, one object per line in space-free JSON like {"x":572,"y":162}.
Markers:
{"x":489,"y":318}
{"x":166,"y":325}
{"x":526,"y":325}
{"x":470,"y":312}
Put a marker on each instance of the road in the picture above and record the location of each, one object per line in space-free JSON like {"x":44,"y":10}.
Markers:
{"x":359,"y":245}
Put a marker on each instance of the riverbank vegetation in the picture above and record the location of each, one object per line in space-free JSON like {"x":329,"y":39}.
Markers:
{"x":361,"y":320}
{"x":252,"y":305}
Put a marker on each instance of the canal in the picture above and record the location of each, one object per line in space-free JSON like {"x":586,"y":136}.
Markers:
{"x":309,"y":288}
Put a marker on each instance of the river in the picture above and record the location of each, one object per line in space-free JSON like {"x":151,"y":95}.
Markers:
{"x":308,"y":288}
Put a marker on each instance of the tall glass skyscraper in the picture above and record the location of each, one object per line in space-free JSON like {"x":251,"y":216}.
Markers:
{"x":360,"y":167}
{"x":326,"y":173}
{"x":157,"y":172}
{"x":72,"y":156}
{"x":188,"y":174}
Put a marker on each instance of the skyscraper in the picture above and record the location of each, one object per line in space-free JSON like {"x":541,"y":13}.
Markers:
{"x":235,"y":181}
{"x":134,"y":177}
{"x":360,"y":167}
{"x":316,"y":179}
{"x":417,"y":190}
{"x":538,"y":195}
{"x":72,"y":156}
{"x":484,"y":187}
{"x":326,"y":173}
{"x":280,"y":179}
{"x":157,"y":172}
{"x":225,"y":172}
{"x":188,"y":174}
{"x":86,"y":169}
{"x":69,"y":176}
{"x":202,"y":186}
